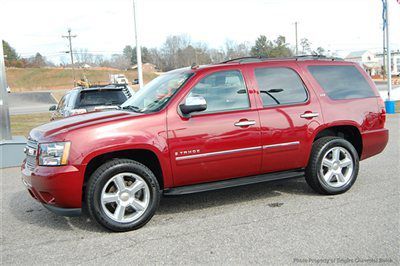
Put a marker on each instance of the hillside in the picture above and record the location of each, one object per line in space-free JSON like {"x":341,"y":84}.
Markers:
{"x":31,"y":79}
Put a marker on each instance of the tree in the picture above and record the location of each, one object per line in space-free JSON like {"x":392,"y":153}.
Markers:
{"x":37,"y":61}
{"x":262,"y":46}
{"x":320,"y":51}
{"x":84,"y":57}
{"x":277,"y":48}
{"x":305,"y":46}
{"x":280,"y":48}
{"x":130,"y":53}
{"x":10,"y":55}
{"x":127,"y":53}
{"x":236,"y":50}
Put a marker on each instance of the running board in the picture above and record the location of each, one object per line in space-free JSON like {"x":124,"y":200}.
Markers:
{"x":232,"y":182}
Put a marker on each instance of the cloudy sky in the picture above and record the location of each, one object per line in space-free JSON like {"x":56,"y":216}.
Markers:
{"x":105,"y":26}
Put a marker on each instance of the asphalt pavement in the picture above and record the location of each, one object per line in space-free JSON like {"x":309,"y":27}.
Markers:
{"x":273,"y":223}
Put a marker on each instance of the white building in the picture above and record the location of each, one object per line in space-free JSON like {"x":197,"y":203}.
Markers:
{"x":367,"y":60}
{"x":395,"y":62}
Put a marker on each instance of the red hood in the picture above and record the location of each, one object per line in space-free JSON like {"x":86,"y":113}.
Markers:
{"x":78,"y":121}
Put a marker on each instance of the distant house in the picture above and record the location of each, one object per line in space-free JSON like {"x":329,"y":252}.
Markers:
{"x":395,"y":61}
{"x":367,"y":60}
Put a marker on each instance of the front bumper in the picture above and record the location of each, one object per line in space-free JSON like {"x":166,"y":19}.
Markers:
{"x":57,"y":187}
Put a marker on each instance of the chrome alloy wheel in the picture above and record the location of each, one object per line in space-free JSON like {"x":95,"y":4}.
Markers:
{"x":125,"y":197}
{"x":336,"y":167}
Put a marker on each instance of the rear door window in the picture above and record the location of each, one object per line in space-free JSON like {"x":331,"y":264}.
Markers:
{"x":342,"y":82}
{"x":279,"y":85}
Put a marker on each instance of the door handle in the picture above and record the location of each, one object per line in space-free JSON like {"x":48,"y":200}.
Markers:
{"x":309,"y":115}
{"x":245,"y":123}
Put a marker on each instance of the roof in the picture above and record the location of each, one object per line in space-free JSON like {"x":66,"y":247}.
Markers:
{"x":102,"y":87}
{"x":357,"y":54}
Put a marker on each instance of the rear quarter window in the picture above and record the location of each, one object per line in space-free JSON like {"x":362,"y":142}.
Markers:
{"x":342,"y":82}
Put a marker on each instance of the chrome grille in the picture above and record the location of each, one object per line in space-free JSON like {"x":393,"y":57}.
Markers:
{"x":31,"y":153}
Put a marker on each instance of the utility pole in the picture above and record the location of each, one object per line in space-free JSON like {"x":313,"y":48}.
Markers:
{"x":138,"y":48}
{"x":295,"y":33}
{"x":5,"y":116}
{"x":69,"y":37}
{"x":389,"y":103}
{"x":389,"y":53}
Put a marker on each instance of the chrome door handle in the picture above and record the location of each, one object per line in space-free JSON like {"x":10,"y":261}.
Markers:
{"x":245,"y":123}
{"x":309,"y":115}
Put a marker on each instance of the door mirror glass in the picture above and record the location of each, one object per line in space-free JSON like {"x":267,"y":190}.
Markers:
{"x":193,"y":104}
{"x":53,"y":108}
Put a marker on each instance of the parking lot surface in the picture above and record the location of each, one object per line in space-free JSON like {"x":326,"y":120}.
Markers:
{"x":271,"y":223}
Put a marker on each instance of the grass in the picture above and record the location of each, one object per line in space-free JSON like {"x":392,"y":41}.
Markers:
{"x":21,"y":125}
{"x":31,"y":79}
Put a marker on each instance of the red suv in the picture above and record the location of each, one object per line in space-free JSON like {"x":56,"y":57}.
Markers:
{"x":190,"y":130}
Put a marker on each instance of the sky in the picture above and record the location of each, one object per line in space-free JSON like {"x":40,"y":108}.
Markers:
{"x":105,"y":26}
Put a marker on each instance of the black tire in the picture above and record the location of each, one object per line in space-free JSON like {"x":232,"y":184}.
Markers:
{"x":313,"y":174}
{"x":100,"y":178}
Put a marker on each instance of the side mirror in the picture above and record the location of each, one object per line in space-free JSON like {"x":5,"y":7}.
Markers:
{"x":53,"y":108}
{"x":193,"y":104}
{"x":135,"y":82}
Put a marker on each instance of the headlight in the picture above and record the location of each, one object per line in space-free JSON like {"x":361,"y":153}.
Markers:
{"x":53,"y":154}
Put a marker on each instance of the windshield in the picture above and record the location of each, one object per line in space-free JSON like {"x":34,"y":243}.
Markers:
{"x":156,"y":94}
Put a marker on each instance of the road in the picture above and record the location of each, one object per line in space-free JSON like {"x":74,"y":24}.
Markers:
{"x":272,"y":223}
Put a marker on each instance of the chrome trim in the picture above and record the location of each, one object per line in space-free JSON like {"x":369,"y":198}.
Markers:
{"x":245,"y":123}
{"x":309,"y":115}
{"x":217,"y":153}
{"x":281,"y":144}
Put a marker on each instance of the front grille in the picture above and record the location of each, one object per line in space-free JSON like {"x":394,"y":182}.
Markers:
{"x":31,"y":154}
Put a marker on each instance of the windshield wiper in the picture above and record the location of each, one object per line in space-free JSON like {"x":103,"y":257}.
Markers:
{"x":131,"y":108}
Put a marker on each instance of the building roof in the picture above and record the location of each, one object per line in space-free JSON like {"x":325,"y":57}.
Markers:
{"x":356,"y":54}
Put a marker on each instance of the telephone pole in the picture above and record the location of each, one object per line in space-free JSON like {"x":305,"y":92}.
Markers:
{"x":69,"y":37}
{"x":138,"y":48}
{"x":295,"y":33}
{"x":4,"y":112}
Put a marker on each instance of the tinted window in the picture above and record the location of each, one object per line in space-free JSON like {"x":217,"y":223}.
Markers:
{"x":280,"y":86}
{"x":223,"y":91}
{"x":100,"y":97}
{"x":341,"y":82}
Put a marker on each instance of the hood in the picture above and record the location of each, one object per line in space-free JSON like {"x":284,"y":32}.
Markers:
{"x":78,"y":121}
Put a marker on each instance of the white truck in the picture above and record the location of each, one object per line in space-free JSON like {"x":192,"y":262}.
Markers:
{"x":118,"y":79}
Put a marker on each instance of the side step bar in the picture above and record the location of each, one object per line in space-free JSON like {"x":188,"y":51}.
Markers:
{"x":232,"y":182}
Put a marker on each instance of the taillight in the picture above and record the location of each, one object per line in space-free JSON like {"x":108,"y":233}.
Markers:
{"x":382,"y":111}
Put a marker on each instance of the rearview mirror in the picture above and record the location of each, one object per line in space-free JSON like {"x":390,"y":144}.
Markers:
{"x":135,"y":82}
{"x":193,"y":104}
{"x":53,"y":108}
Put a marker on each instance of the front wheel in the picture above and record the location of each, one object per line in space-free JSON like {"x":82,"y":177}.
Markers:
{"x":122,"y":195}
{"x":333,"y":166}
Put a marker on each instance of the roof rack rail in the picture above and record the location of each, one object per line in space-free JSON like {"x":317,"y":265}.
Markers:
{"x":251,"y":59}
{"x":317,"y":57}
{"x":245,"y":59}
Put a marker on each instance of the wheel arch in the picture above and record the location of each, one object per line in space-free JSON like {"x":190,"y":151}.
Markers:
{"x":349,"y":131}
{"x":146,"y":156}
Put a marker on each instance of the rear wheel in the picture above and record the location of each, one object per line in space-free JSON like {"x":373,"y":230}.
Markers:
{"x":122,"y":195}
{"x":333,"y":166}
